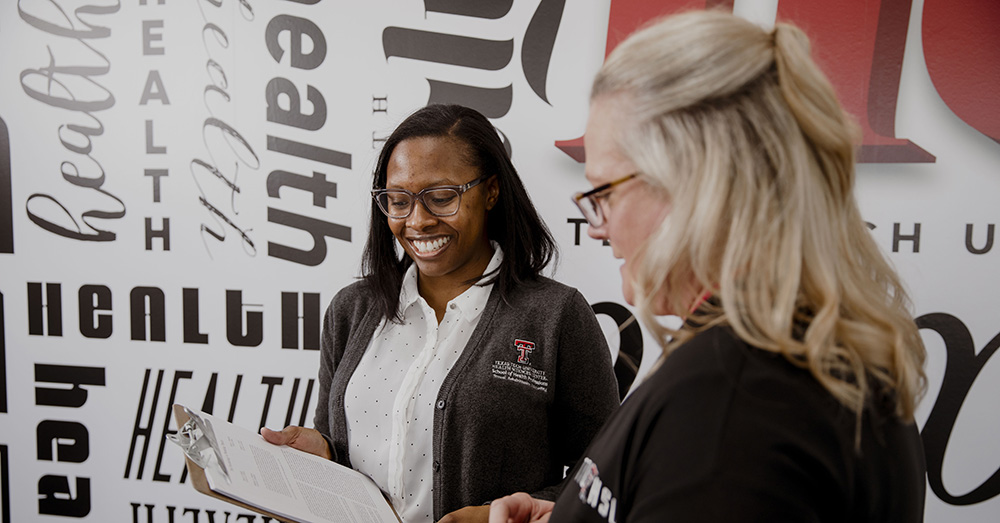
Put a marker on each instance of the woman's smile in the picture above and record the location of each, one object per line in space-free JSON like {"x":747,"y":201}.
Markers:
{"x":429,"y":247}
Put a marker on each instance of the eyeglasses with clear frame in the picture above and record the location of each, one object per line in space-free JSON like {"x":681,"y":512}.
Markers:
{"x":589,"y":202}
{"x":441,"y":200}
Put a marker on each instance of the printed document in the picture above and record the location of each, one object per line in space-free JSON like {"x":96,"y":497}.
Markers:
{"x":289,"y":483}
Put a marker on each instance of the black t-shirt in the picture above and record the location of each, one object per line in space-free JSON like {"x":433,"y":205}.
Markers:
{"x":725,"y":432}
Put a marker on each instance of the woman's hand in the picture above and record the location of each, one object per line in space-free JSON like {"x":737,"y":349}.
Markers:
{"x":520,"y":508}
{"x":306,"y":440}
{"x":470,"y":514}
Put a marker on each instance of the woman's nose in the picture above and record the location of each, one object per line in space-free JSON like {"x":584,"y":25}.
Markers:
{"x":598,"y":233}
{"x":420,"y":217}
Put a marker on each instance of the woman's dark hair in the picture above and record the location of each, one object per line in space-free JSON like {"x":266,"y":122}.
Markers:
{"x":513,"y":222}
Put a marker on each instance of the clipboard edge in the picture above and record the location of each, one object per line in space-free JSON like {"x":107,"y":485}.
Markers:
{"x":200,"y":482}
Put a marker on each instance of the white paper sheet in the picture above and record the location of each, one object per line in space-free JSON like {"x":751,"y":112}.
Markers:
{"x":291,"y":483}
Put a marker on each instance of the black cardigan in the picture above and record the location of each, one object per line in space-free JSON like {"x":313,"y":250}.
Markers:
{"x":500,"y":426}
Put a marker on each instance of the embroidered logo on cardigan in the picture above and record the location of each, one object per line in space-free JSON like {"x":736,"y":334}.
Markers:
{"x":523,"y":374}
{"x":521,"y":371}
{"x":525,"y":347}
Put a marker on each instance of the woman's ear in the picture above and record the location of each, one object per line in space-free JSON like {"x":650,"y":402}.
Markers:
{"x":492,"y":192}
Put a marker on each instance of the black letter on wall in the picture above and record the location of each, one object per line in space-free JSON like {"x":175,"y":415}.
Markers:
{"x":156,"y":314}
{"x":95,"y":298}
{"x":52,"y":306}
{"x":254,"y":334}
{"x":55,"y":497}
{"x":51,"y":432}
{"x":76,"y":376}
{"x":962,"y":367}
{"x":629,"y":346}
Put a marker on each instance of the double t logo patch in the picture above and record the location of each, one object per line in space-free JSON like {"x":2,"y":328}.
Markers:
{"x":525,"y":348}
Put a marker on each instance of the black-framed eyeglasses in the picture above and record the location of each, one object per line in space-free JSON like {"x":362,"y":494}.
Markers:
{"x":589,"y":202}
{"x":441,"y":201}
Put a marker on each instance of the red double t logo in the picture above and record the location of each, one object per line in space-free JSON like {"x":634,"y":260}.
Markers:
{"x":525,"y":347}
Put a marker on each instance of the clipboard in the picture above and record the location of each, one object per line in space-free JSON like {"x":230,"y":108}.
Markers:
{"x":200,"y":482}
{"x":197,"y":436}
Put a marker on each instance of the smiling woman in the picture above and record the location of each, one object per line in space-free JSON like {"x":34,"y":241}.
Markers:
{"x":453,"y":145}
{"x":455,"y":342}
{"x":450,"y":248}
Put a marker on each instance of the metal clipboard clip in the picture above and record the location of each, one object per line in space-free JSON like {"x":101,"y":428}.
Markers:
{"x":197,"y":439}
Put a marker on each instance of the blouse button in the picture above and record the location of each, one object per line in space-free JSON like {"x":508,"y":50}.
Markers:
{"x":452,"y":306}
{"x":440,"y":405}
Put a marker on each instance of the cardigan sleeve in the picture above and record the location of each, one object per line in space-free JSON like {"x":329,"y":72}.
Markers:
{"x":342,"y":317}
{"x":586,"y":388}
{"x":327,"y":366}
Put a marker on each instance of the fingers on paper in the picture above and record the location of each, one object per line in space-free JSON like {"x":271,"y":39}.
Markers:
{"x":519,"y":508}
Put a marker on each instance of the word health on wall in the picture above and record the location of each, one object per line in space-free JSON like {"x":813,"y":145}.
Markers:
{"x":299,"y":315}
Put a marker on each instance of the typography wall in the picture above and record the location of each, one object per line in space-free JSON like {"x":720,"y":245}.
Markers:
{"x":184,"y":187}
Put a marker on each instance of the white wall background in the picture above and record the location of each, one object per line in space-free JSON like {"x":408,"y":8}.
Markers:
{"x":79,"y":52}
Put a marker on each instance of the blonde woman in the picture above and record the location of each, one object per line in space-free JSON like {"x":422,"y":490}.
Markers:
{"x":723,"y":171}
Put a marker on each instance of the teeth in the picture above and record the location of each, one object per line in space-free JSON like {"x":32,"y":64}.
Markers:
{"x":431,"y":246}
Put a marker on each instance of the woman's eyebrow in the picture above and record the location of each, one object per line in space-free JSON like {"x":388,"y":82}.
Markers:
{"x":434,"y":183}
